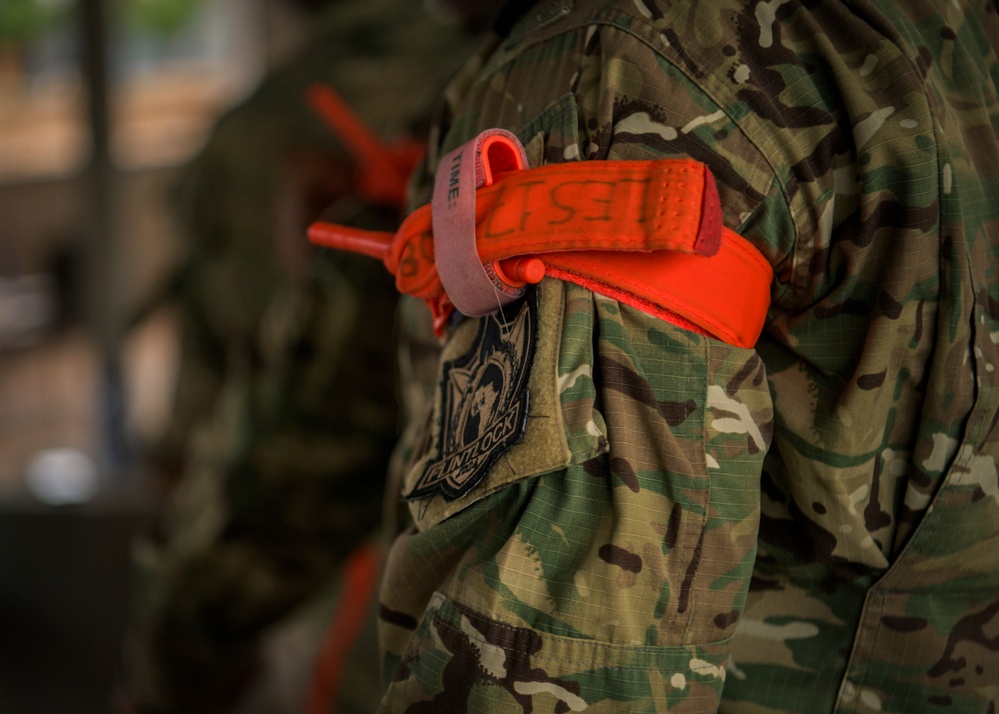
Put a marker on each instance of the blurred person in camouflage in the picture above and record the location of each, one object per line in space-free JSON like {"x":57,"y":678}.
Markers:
{"x":284,"y":414}
{"x":806,"y":524}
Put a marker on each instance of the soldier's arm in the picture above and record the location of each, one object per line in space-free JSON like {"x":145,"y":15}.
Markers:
{"x":602,"y":561}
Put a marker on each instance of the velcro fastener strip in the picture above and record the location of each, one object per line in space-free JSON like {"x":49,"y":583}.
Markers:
{"x":609,"y":205}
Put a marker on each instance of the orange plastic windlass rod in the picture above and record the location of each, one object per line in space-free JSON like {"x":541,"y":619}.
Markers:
{"x":374,"y":244}
{"x":384,"y":169}
{"x":392,"y":249}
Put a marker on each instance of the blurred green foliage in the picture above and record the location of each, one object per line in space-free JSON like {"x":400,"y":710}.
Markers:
{"x":161,"y":18}
{"x":23,"y":21}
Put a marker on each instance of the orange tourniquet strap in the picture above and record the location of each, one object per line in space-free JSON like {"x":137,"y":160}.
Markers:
{"x":637,"y":231}
{"x":359,"y":592}
{"x":725,"y":295}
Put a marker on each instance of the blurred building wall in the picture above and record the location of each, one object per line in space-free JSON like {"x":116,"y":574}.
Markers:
{"x":65,"y":522}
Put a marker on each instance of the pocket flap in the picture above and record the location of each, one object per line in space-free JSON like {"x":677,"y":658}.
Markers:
{"x":496,"y":418}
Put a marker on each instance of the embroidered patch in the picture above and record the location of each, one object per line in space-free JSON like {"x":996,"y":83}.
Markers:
{"x":484,"y":400}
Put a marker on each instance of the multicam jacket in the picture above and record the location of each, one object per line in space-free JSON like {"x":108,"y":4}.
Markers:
{"x":685,"y":526}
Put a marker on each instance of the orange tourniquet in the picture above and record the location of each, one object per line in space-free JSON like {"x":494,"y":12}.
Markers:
{"x":383,"y":169}
{"x":637,"y":231}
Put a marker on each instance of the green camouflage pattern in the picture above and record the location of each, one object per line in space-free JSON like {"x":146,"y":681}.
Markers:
{"x":810,"y":526}
{"x":624,"y":600}
{"x":285,"y":412}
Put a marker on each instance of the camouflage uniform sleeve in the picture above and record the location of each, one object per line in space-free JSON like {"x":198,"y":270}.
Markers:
{"x":615,"y":581}
{"x":602,"y":562}
{"x":855,"y":145}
